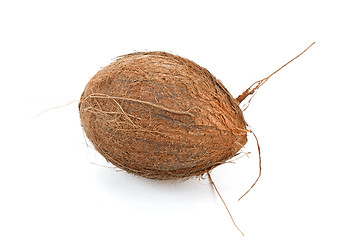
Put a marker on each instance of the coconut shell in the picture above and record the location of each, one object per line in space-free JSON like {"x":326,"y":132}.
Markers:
{"x":161,"y":116}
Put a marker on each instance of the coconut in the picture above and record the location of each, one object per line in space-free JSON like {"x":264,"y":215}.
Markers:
{"x":161,"y":116}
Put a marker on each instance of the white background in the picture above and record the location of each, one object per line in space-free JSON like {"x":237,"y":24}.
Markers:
{"x":306,"y":118}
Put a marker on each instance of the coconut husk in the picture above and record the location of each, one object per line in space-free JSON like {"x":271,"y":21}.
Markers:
{"x":161,"y":116}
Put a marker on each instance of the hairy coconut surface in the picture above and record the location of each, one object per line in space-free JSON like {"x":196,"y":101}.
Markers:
{"x":161,"y":116}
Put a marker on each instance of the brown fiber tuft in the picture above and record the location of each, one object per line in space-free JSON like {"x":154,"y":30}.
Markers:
{"x":161,"y":116}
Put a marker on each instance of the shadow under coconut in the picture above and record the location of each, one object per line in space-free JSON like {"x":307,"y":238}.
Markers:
{"x":123,"y":184}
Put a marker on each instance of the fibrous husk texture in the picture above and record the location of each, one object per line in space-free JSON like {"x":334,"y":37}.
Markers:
{"x":161,"y":116}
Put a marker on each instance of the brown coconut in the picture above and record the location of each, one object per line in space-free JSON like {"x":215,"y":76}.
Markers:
{"x":161,"y":116}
